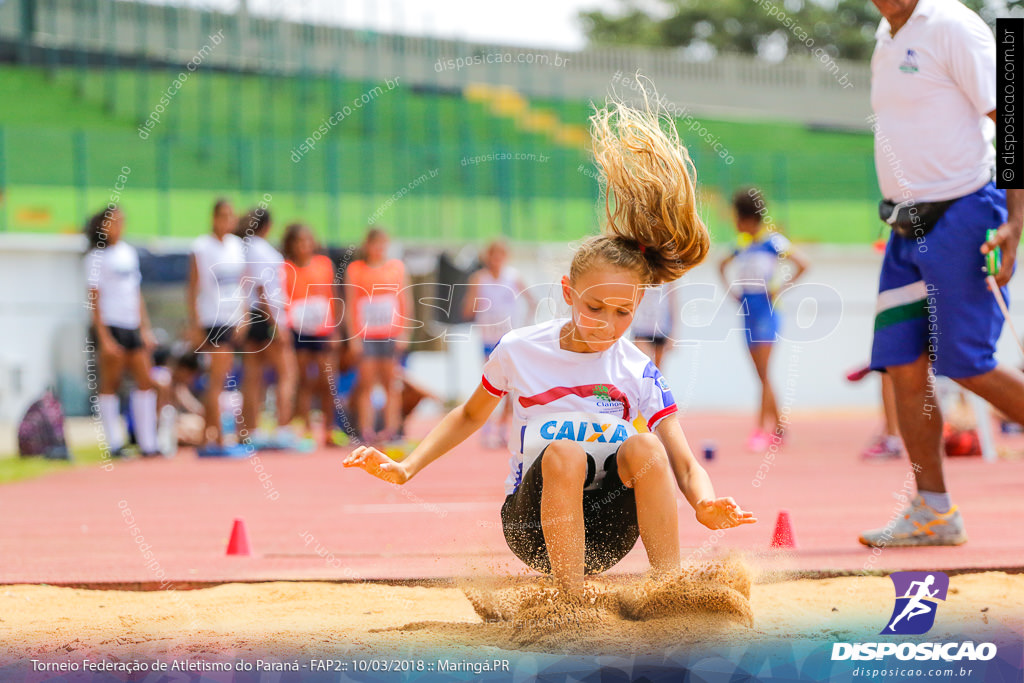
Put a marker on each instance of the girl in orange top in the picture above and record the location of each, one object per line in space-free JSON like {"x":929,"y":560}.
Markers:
{"x":376,"y":294}
{"x":309,"y":282}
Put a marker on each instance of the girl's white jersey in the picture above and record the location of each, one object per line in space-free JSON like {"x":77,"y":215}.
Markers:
{"x":497,"y":296}
{"x":114,"y":271}
{"x":221,"y":266}
{"x":757,"y":265}
{"x":263,"y":266}
{"x":590,"y":398}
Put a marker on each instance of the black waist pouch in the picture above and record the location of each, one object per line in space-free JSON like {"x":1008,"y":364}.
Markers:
{"x":912,"y":219}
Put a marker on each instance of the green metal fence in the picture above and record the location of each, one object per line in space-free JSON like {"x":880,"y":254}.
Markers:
{"x":199,"y":104}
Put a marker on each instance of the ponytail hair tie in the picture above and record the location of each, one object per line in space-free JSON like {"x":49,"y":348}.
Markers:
{"x":643,"y":249}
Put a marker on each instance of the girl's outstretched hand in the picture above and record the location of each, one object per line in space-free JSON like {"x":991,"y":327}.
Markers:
{"x":722,"y":513}
{"x":378,"y":464}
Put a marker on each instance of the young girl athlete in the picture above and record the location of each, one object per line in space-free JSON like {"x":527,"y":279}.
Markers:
{"x":583,"y":483}
{"x":213,"y":301}
{"x":492,"y":302}
{"x":760,"y":251}
{"x":377,"y":299}
{"x":120,"y":326}
{"x":309,"y":282}
{"x":267,"y":341}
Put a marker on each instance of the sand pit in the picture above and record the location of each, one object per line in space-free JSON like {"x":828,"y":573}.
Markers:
{"x":370,"y":619}
{"x":613,"y":613}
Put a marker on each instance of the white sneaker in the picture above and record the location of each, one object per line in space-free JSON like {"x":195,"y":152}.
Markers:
{"x":167,"y":431}
{"x":919,"y":525}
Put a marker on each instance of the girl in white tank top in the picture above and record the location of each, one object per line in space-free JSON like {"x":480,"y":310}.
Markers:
{"x":491,"y":303}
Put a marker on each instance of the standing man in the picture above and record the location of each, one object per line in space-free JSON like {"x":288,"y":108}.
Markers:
{"x":933,"y":92}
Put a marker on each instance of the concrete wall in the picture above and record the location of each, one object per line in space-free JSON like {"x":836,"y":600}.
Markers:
{"x":43,"y":319}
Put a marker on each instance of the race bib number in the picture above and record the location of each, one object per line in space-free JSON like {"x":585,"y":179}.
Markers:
{"x":378,"y":313}
{"x":599,"y":435}
{"x":311,"y":315}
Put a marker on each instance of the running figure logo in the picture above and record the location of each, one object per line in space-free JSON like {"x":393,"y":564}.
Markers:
{"x":917,"y":594}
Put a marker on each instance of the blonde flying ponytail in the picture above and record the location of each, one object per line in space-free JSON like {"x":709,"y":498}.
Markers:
{"x":650,"y":198}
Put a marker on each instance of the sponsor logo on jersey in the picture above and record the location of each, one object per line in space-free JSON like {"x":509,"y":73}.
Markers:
{"x":584,"y":431}
{"x":610,"y":399}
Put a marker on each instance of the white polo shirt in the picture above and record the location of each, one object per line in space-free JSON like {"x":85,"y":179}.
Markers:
{"x":221,"y":266}
{"x":932,"y":87}
{"x":114,"y":271}
{"x":263,"y":268}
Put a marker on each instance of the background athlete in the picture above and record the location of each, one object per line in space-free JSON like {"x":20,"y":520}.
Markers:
{"x":214,"y":305}
{"x":492,"y":303}
{"x":120,"y":327}
{"x":757,"y":260}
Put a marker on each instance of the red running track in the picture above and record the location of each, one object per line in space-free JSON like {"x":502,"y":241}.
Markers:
{"x":73,"y":527}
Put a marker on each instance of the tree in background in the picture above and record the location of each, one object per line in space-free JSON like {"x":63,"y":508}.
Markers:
{"x":704,"y":28}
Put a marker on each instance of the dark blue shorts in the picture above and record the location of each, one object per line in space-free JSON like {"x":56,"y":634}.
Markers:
{"x":309,"y":342}
{"x":219,"y":337}
{"x":760,"y":319}
{"x":932,"y":295}
{"x":610,"y":526}
{"x":127,"y":339}
{"x":379,"y":348}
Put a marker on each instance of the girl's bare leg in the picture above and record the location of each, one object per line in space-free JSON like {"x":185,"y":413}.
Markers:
{"x":645,"y":468}
{"x":761,"y":355}
{"x":564,"y":469}
{"x":304,"y":391}
{"x":111,"y":371}
{"x":388,"y":373}
{"x":659,"y":354}
{"x":252,"y":385}
{"x":220,"y":365}
{"x":365,"y":377}
{"x":323,"y":384}
{"x":282,"y":355}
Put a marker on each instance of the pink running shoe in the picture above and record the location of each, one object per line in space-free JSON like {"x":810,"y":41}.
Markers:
{"x":883,"y":448}
{"x":758,"y":441}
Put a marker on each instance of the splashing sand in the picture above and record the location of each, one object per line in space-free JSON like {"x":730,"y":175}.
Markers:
{"x":709,"y":597}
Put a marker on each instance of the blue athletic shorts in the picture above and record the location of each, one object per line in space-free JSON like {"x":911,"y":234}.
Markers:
{"x":932,"y":296}
{"x":760,"y":320}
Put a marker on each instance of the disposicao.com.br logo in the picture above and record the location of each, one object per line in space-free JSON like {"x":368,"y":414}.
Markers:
{"x":917,"y":596}
{"x":917,"y":599}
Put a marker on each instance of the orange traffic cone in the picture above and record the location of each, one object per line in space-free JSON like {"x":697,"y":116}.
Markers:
{"x":239,"y":541}
{"x":783,"y":536}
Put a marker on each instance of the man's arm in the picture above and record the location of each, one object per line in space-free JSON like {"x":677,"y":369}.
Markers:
{"x":1008,"y":234}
